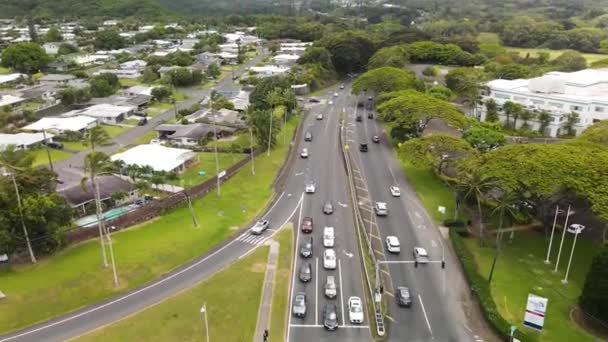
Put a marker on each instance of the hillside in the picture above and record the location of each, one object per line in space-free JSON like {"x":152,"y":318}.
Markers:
{"x":81,"y":8}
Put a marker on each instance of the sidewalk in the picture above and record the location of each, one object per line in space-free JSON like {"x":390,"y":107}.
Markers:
{"x":266,"y":303}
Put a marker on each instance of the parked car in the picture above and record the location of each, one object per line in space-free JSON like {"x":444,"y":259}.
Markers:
{"x":393,"y":245}
{"x":314,"y":100}
{"x":329,"y":259}
{"x":307,"y":136}
{"x":359,"y":118}
{"x":54,"y":144}
{"x":342,"y":86}
{"x":403,"y":296}
{"x":355,"y":310}
{"x":381,"y":209}
{"x":336,"y":94}
{"x":328,"y":237}
{"x":328,"y":208}
{"x":370,"y":115}
{"x":420,"y":255}
{"x":307,"y":224}
{"x":259,"y":227}
{"x":305,"y":272}
{"x":306,"y":247}
{"x":330,"y":317}
{"x":299,"y":305}
{"x":395,"y":191}
{"x":331,"y":289}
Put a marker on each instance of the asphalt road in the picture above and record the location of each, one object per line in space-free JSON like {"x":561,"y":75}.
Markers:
{"x":324,"y":166}
{"x":436,"y":312}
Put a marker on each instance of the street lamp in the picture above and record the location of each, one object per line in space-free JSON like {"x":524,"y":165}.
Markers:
{"x":25,"y":233}
{"x":557,"y":211}
{"x":204,"y":313}
{"x":105,"y":231}
{"x":575,"y":229}
{"x":561,"y":244}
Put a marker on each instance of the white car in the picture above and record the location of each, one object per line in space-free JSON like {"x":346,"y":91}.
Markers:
{"x":336,"y":94}
{"x":420,"y":255}
{"x":330,"y":102}
{"x":259,"y":227}
{"x":381,"y":209}
{"x":393,"y":245}
{"x":355,"y":310}
{"x":329,"y":237}
{"x":395,"y":191}
{"x":304,"y":153}
{"x":310,"y":188}
{"x":320,"y":116}
{"x":329,"y":259}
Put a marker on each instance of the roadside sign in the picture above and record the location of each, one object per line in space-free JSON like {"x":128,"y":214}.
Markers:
{"x":441,"y":209}
{"x":221,"y":174}
{"x":535,"y":312}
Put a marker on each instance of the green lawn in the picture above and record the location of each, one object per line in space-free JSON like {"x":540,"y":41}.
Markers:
{"x":232,"y":297}
{"x":41,"y":157}
{"x":4,"y":71}
{"x":241,"y":140}
{"x":179,"y":96}
{"x":488,"y":37}
{"x":280,"y":294}
{"x":520,"y":270}
{"x":129,"y":82}
{"x":114,"y":131}
{"x":158,"y":108}
{"x":74,"y":278}
{"x":590,"y":57}
{"x":144,"y":139}
{"x":74,"y":145}
{"x":206,"y":162}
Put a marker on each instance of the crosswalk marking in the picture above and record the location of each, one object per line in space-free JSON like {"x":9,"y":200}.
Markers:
{"x":250,"y":238}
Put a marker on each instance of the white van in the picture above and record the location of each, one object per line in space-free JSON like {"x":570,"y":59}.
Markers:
{"x":328,"y":237}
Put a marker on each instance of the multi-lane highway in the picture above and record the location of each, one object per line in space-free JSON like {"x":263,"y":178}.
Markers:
{"x":325,"y":168}
{"x":436,"y":312}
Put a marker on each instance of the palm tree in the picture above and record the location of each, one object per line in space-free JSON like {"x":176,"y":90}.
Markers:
{"x":491,"y":110}
{"x":96,"y":137}
{"x":572,"y":119}
{"x":510,"y":108}
{"x":96,"y":163}
{"x":474,"y":184}
{"x":274,"y":98}
{"x":527,"y":115}
{"x":505,"y":203}
{"x":544,"y":118}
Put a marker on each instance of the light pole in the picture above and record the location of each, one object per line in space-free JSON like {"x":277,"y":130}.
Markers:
{"x":25,"y":233}
{"x":552,"y":232}
{"x":204,"y":312}
{"x":48,"y":152}
{"x":559,"y":252}
{"x":575,"y":229}
{"x":112,"y":255}
{"x":251,"y":150}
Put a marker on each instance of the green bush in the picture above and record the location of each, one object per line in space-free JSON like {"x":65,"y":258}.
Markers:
{"x":481,"y":288}
{"x":453,"y":223}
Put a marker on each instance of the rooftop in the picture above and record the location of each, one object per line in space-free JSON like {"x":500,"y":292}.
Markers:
{"x":56,"y":78}
{"x":22,"y":139}
{"x":74,"y":123}
{"x":7,"y":100}
{"x":158,"y":157}
{"x":106,"y":110}
{"x":78,"y":195}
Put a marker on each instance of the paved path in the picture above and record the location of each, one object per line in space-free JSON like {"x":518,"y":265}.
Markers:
{"x":266,"y":303}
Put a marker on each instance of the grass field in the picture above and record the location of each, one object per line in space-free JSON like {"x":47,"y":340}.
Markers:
{"x":280,"y":294}
{"x":520,"y":270}
{"x":241,"y":140}
{"x":4,"y":71}
{"x":114,"y":131}
{"x":144,"y":139}
{"x":129,"y":82}
{"x":206,"y":162}
{"x":41,"y":157}
{"x":158,"y":108}
{"x":232,"y":297}
{"x":74,"y":145}
{"x":74,"y":277}
{"x":179,"y":96}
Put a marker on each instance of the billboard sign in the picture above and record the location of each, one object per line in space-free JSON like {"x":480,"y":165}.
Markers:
{"x":535,"y":312}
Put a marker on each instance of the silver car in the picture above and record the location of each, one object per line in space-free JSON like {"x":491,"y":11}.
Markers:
{"x":331,"y":289}
{"x":299,"y":305}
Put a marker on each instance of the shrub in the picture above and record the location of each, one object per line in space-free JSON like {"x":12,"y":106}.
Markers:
{"x":453,"y":223}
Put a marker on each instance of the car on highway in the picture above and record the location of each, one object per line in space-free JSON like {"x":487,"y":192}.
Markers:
{"x":329,"y":238}
{"x":381,"y":209}
{"x":370,"y":115}
{"x":330,"y":287}
{"x":304,"y":153}
{"x":314,"y":100}
{"x":306,"y":224}
{"x":320,"y":116}
{"x":376,"y":139}
{"x":259,"y":227}
{"x":369,"y":98}
{"x":355,"y":310}
{"x":299,"y":305}
{"x":310,"y":188}
{"x":328,"y":208}
{"x":403,"y":296}
{"x":342,"y":86}
{"x":363,"y":147}
{"x":305,"y":272}
{"x":330,"y":317}
{"x":393,"y":245}
{"x":331,"y":102}
{"x":329,"y":259}
{"x":359,"y":118}
{"x":420,"y":255}
{"x":336,"y":94}
{"x":307,"y":136}
{"x":395,"y":191}
{"x":306,"y":247}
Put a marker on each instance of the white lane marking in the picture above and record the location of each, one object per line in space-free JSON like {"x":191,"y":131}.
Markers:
{"x":341,"y":290}
{"x":433,"y":244}
{"x":317,"y":290}
{"x":299,"y":173}
{"x":417,"y":214}
{"x":421,"y":226}
{"x":428,"y":324}
{"x":350,"y":255}
{"x":343,"y":205}
{"x":295,"y":258}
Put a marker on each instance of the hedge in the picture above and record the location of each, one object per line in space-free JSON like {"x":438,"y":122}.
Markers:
{"x":481,"y":288}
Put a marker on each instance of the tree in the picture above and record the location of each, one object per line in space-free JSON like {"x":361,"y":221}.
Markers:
{"x":525,"y":31}
{"x":544,"y":118}
{"x":259,"y":120}
{"x":430,"y":71}
{"x":317,"y":55}
{"x":181,"y":58}
{"x":96,"y":137}
{"x":593,"y":296}
{"x":150,"y":75}
{"x":526,"y":115}
{"x":572,"y":119}
{"x":70,"y":95}
{"x":161,"y":93}
{"x":570,"y":61}
{"x":596,"y":133}
{"x":350,"y":50}
{"x":104,"y":85}
{"x":393,"y":56}
{"x":505,"y":203}
{"x":491,"y":110}
{"x":474,"y":185}
{"x":53,"y":35}
{"x":511,"y":109}
{"x":66,"y":49}
{"x":384,"y":79}
{"x":25,"y":57}
{"x":510,"y":71}
{"x":435,"y":151}
{"x":259,"y":96}
{"x":484,"y":138}
{"x":108,"y":40}
{"x":213,"y":70}
{"x":466,"y":82}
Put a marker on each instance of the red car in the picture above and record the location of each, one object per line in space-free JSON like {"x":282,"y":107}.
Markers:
{"x":307,"y":225}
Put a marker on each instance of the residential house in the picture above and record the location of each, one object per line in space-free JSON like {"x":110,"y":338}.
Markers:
{"x":10,"y":100}
{"x":78,"y":196}
{"x":56,"y":79}
{"x":228,"y":57}
{"x":138,"y":101}
{"x":120,"y":73}
{"x":285,"y":59}
{"x":105,"y":112}
{"x":268,"y":70}
{"x":559,"y":93}
{"x":12,"y":78}
{"x":137,"y":64}
{"x":51,"y":48}
{"x":138,"y":90}
{"x":158,"y":157}
{"x":61,"y":125}
{"x":208,"y":58}
{"x":191,"y":134}
{"x":23,"y":141}
{"x":240,"y":100}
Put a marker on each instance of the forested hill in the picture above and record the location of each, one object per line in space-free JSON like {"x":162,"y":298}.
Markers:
{"x":81,"y":8}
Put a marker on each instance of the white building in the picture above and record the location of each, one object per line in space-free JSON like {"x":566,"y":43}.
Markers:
{"x":285,"y":59}
{"x":10,"y":100}
{"x":56,"y":79}
{"x":11,"y":78}
{"x":62,"y":124}
{"x":93,"y":59}
{"x":559,"y":93}
{"x":51,"y":48}
{"x":268,"y":70}
{"x":158,"y":157}
{"x":137,"y":64}
{"x":105,"y":113}
{"x":23,"y":141}
{"x":120,"y":73}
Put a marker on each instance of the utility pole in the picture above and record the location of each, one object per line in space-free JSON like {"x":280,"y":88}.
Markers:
{"x":270,"y":131}
{"x":48,"y":153}
{"x":25,"y":233}
{"x":251,"y":150}
{"x":204,"y":312}
{"x":217,"y":162}
{"x":559,"y":252}
{"x":112,"y":256}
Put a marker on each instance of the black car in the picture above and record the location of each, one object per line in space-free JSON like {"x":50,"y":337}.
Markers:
{"x":306,"y":248}
{"x":328,"y":208}
{"x":314,"y":100}
{"x":359,"y":104}
{"x":363,"y":147}
{"x":370,"y":115}
{"x":359,"y":118}
{"x":403,"y":296}
{"x":305,"y":272}
{"x":376,"y":139}
{"x":330,"y":317}
{"x":54,"y":144}
{"x":308,"y":136}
